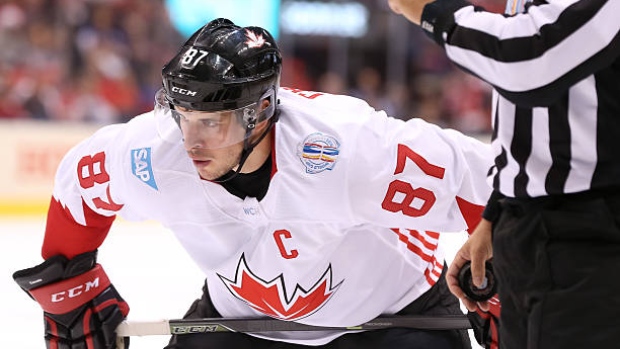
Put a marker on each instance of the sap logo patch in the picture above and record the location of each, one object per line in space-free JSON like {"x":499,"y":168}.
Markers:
{"x":141,"y":166}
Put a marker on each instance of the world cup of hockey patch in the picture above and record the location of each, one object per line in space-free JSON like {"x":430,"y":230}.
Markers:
{"x":141,"y":166}
{"x":319,"y":152}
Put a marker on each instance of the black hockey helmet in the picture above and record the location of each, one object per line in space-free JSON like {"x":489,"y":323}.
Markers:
{"x":224,"y":67}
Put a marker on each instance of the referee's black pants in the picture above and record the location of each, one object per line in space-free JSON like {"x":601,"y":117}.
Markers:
{"x":557,"y":260}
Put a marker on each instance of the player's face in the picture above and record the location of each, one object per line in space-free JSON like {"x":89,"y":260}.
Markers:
{"x":212,"y":140}
{"x":213,"y":164}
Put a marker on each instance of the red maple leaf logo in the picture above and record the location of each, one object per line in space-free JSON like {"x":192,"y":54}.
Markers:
{"x":254,"y":40}
{"x":270,"y":297}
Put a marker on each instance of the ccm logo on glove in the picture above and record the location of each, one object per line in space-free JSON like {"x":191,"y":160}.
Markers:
{"x":69,"y":294}
{"x":76,"y":291}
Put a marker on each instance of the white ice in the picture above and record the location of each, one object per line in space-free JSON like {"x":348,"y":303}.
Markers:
{"x":143,"y":260}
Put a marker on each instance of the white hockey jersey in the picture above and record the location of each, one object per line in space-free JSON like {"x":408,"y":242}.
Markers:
{"x":346,"y":232}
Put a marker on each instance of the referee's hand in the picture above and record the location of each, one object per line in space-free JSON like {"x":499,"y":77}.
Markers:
{"x":477,"y":250}
{"x":410,"y":9}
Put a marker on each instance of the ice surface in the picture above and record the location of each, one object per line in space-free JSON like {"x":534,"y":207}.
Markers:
{"x":143,"y":260}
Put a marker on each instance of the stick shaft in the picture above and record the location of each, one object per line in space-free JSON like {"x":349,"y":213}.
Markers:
{"x":255,"y":325}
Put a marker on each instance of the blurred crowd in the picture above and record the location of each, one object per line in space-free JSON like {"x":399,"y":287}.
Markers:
{"x":96,"y":61}
{"x":99,"y":61}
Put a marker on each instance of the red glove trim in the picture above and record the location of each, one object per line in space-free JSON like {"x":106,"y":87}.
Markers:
{"x":494,"y":336}
{"x":123,"y":306}
{"x":86,"y":329}
{"x":53,"y":330}
{"x":66,"y":295}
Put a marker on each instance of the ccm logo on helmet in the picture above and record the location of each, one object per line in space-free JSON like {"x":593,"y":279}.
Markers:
{"x":182,"y":91}
{"x":75,"y":291}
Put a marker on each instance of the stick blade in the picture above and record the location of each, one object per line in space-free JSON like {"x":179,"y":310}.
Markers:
{"x":143,"y":328}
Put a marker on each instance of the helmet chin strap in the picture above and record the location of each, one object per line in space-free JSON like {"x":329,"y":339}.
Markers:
{"x":247,"y":149}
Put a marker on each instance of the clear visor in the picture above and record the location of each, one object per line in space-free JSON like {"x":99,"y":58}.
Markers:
{"x":212,"y":130}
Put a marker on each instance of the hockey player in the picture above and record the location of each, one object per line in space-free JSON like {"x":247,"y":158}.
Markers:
{"x":297,"y":205}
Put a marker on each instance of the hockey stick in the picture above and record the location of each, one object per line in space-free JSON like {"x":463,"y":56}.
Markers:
{"x":249,"y":325}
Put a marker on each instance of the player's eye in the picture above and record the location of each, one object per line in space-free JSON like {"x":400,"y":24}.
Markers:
{"x":210,"y":122}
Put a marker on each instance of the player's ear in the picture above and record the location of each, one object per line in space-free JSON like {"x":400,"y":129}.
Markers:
{"x":264,"y":104}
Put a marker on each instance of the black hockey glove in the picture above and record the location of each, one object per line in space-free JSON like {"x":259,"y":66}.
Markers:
{"x":485,"y":324}
{"x":81,"y":308}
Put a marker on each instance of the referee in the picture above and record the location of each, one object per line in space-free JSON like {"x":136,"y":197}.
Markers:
{"x":555,"y":211}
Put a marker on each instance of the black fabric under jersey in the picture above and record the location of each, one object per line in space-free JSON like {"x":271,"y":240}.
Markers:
{"x":254,"y":184}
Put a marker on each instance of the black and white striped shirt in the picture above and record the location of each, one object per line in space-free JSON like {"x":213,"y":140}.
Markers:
{"x":555,"y":69}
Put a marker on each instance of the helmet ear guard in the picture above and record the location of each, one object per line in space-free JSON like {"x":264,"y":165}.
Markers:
{"x":252,"y":119}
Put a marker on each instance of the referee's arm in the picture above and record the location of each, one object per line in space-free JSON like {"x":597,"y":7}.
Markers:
{"x":531,"y":58}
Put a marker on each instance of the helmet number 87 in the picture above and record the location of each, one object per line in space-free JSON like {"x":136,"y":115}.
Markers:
{"x":410,"y":194}
{"x":191,"y":57}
